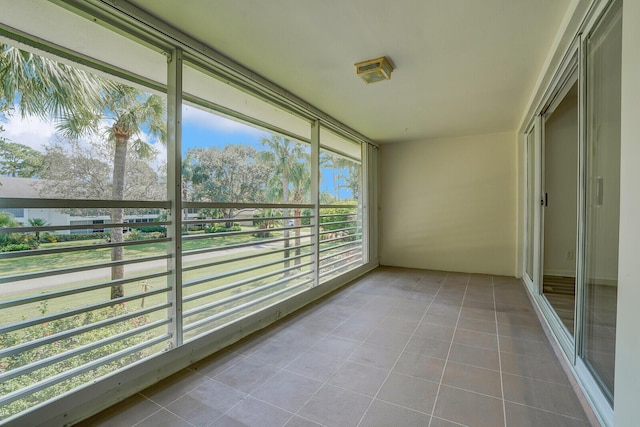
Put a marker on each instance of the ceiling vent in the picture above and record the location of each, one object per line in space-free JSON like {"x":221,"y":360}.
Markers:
{"x":374,"y":70}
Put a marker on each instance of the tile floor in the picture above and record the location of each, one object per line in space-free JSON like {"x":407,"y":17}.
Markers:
{"x":398,"y":347}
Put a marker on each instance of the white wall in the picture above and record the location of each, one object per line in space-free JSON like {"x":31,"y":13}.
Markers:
{"x":450,"y":204}
{"x":627,"y":387}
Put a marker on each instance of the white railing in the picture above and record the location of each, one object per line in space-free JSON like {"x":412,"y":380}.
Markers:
{"x":340,"y":240}
{"x":60,"y":328}
{"x":260,"y":261}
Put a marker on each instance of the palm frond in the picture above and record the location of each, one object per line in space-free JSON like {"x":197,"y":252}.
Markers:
{"x":43,"y":87}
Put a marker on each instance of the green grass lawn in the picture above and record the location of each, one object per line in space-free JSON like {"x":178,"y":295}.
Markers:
{"x":83,"y":299}
{"x":29,"y":264}
{"x":97,"y":256}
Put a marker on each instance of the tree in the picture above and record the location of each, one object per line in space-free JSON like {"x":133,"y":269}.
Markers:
{"x":301,"y":186}
{"x":17,"y":160}
{"x":288,"y":160}
{"x":7,"y":221}
{"x":351,"y":177}
{"x":77,"y":170}
{"x":192,"y":174}
{"x":82,"y":103}
{"x":234,"y":176}
{"x":348,"y":174}
{"x":45,"y":88}
{"x":128,"y":110}
{"x":37,"y":222}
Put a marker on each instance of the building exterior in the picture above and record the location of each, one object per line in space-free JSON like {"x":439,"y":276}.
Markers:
{"x":28,"y":188}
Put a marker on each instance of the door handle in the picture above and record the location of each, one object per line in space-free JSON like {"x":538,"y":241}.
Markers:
{"x":545,"y":202}
{"x":599,"y":190}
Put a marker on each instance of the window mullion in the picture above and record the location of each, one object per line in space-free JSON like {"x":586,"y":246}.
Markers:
{"x":315,"y":198}
{"x":174,"y":190}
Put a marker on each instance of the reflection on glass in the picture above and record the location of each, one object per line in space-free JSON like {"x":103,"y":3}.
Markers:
{"x":560,"y":212}
{"x":603,"y":196}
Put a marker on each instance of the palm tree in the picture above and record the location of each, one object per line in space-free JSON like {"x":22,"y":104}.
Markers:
{"x":7,"y":221}
{"x":81,"y":103}
{"x":37,"y":222}
{"x":352,"y":177}
{"x":128,"y":113}
{"x":192,"y":174}
{"x":300,"y":178}
{"x":286,"y":158}
{"x":42,"y":87}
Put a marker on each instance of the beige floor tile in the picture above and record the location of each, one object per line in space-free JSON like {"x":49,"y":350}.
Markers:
{"x":333,"y":406}
{"x":468,"y":408}
{"x":472,"y":378}
{"x":383,"y":414}
{"x":409,"y":392}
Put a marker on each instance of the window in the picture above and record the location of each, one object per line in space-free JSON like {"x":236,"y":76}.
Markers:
{"x":340,"y":205}
{"x":80,"y":298}
{"x":125,"y":256}
{"x":250,"y":243}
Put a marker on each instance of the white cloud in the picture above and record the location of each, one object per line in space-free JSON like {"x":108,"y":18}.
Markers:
{"x":204,"y":119}
{"x":31,"y":131}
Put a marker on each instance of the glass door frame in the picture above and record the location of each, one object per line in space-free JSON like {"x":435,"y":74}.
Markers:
{"x":573,"y":348}
{"x":562,"y":82}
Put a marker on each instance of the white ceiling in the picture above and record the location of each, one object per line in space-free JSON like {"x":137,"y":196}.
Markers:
{"x":462,"y":66}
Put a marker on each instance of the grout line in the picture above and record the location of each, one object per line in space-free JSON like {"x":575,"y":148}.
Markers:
{"x":326,"y":381}
{"x":548,"y":411}
{"x":280,"y":369}
{"x":400,"y":355}
{"x":449,"y":421}
{"x":150,"y":415}
{"x":186,"y":421}
{"x":495,"y":313}
{"x":435,"y":401}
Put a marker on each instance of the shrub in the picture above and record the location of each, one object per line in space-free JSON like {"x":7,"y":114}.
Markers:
{"x":151,"y":229}
{"x":306,"y":217}
{"x":13,"y":247}
{"x":73,"y":237}
{"x":341,"y":214}
{"x":49,"y":328}
{"x":139,"y":235}
{"x":220,"y":228}
{"x":263,"y":231}
{"x":263,"y":221}
{"x":48,"y":238}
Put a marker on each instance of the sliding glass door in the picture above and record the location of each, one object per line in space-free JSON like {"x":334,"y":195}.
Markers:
{"x":603,"y":54}
{"x":573,"y":201}
{"x":560,"y":213}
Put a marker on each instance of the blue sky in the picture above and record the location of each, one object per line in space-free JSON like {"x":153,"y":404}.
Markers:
{"x":204,"y":129}
{"x":200,"y":129}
